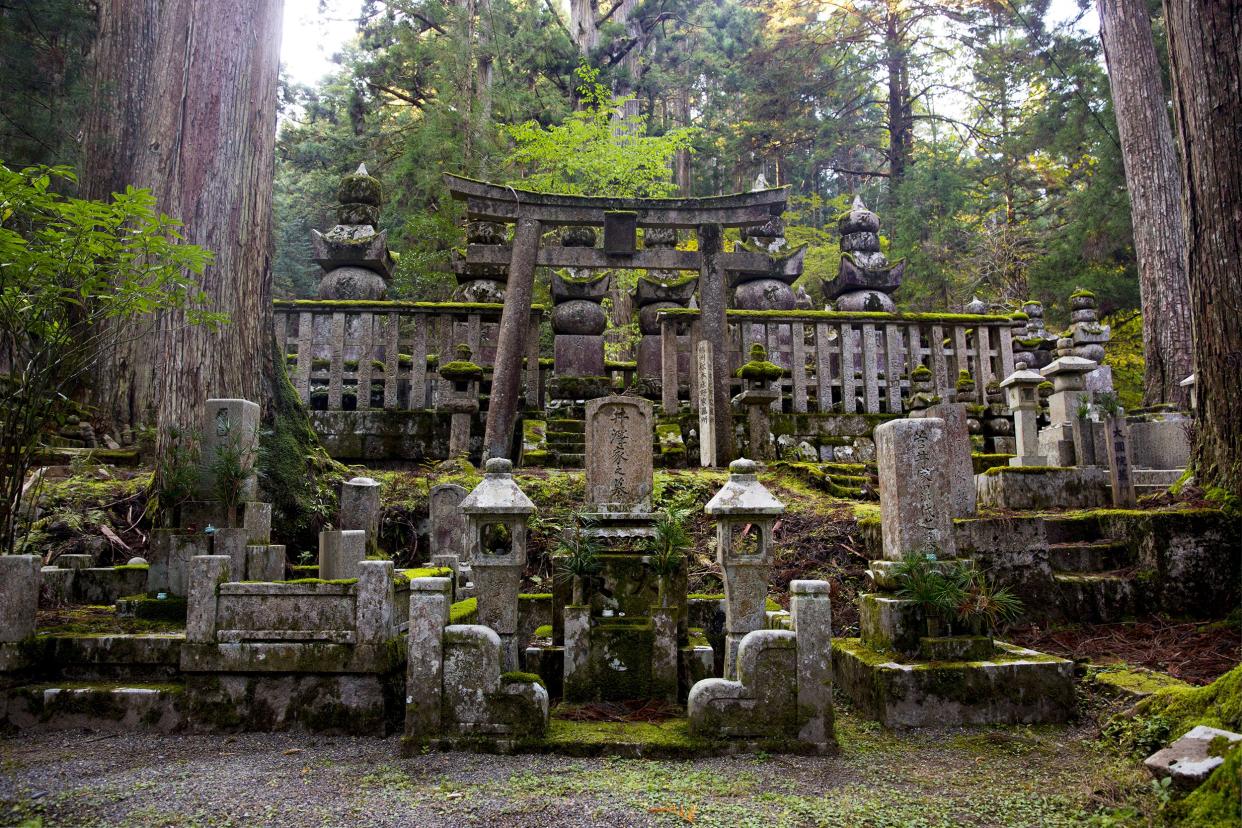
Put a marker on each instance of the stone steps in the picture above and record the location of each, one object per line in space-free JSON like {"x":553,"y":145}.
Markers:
{"x":1098,"y":597}
{"x":149,"y":657}
{"x":571,"y":460}
{"x":1072,"y":530}
{"x":111,"y":706}
{"x":1088,"y":556}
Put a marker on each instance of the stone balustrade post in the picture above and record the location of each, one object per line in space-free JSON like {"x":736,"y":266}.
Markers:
{"x":207,"y":572}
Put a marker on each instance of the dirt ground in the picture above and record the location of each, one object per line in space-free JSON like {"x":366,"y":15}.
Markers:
{"x":1011,"y":776}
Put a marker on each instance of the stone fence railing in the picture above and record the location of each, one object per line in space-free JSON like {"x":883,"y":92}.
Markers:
{"x":369,"y":354}
{"x":846,"y":362}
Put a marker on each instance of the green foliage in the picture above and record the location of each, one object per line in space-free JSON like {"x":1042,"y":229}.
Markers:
{"x":952,"y":591}
{"x":669,"y":545}
{"x":577,"y":553}
{"x":597,"y":150}
{"x":1124,"y":355}
{"x":176,"y":473}
{"x":73,"y":271}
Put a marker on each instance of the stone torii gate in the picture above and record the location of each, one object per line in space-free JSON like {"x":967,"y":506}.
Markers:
{"x":535,"y":213}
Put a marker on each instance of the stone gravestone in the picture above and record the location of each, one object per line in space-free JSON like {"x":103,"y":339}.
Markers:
{"x":228,"y":426}
{"x":914,"y":488}
{"x":1119,"y":471}
{"x":962,"y":495}
{"x":618,"y":454}
{"x":707,"y":404}
{"x":448,"y":523}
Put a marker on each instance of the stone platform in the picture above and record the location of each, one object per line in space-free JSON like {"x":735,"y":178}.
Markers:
{"x":1013,"y":686}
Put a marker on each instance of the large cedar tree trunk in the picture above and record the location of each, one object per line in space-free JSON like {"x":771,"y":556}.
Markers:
{"x":1205,"y":52}
{"x":1152,"y":180}
{"x":185,"y":105}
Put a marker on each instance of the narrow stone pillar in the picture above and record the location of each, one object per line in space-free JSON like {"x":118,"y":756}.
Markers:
{"x":511,"y":341}
{"x":377,"y":600}
{"x":430,"y":599}
{"x":207,"y":572}
{"x":19,"y":596}
{"x":914,"y":488}
{"x":705,"y":366}
{"x":360,"y":509}
{"x":230,"y":426}
{"x":812,"y":619}
{"x":714,"y":329}
{"x":339,"y":553}
{"x":1120,"y":475}
{"x":664,"y":653}
{"x":577,"y":679}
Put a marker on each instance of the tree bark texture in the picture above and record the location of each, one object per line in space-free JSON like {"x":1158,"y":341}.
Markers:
{"x":185,"y":105}
{"x":1205,"y":53}
{"x":1152,"y":180}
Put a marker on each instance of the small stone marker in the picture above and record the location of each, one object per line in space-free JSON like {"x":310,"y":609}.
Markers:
{"x":962,"y":494}
{"x":707,"y":404}
{"x":618,"y":454}
{"x":1119,"y":470}
{"x":360,"y":509}
{"x":340,"y":552}
{"x":1190,"y":760}
{"x":448,"y":522}
{"x":228,"y":425}
{"x":1021,"y":388}
{"x":914,"y":488}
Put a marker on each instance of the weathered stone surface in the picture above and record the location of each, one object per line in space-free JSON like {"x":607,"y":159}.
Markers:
{"x":347,"y":703}
{"x":104,"y":708}
{"x":376,"y":599}
{"x":648,"y":317}
{"x":19,"y":596}
{"x":811,"y":610}
{"x":339,"y":553}
{"x":169,"y":555}
{"x":1068,"y":385}
{"x":448,"y":522}
{"x":1015,"y":686}
{"x":207,"y":572}
{"x":352,"y":283}
{"x":707,"y":403}
{"x":868,"y":301}
{"x":1190,"y":760}
{"x":231,"y":428}
{"x":618,"y":454}
{"x":1120,"y":467}
{"x":764,"y":294}
{"x":1023,"y":399}
{"x":360,"y":509}
{"x":579,"y":316}
{"x":578,"y":355}
{"x":911,"y":456}
{"x":889,"y":623}
{"x":1047,"y":487}
{"x":476,"y":701}
{"x":593,"y":288}
{"x":664,"y":656}
{"x":578,"y":684}
{"x":233,"y":543}
{"x":430,"y":599}
{"x":762,"y":703}
{"x":265,"y":563}
{"x":1162,"y":443}
{"x":960,"y":469}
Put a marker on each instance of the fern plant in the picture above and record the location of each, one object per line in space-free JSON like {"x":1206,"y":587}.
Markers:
{"x":668,"y":547}
{"x":983,"y":606}
{"x":176,"y":473}
{"x":230,"y":473}
{"x":938,"y":594}
{"x":577,"y":555}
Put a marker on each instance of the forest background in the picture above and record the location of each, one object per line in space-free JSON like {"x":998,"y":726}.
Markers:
{"x":981,"y":132}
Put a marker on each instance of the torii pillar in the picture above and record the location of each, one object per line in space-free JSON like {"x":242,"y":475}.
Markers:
{"x":511,"y":341}
{"x":714,"y":328}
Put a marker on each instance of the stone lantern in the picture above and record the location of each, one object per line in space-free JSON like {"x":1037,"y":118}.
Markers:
{"x":758,"y":397}
{"x":461,"y":399}
{"x":1022,"y":395}
{"x":744,"y":511}
{"x":497,"y":513}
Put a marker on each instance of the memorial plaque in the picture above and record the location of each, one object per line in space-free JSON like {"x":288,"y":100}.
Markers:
{"x":618,"y":454}
{"x":1120,"y":474}
{"x":707,"y":404}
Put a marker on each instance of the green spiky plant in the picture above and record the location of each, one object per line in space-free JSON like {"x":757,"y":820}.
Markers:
{"x":230,"y":474}
{"x":983,"y":606}
{"x":938,"y":594}
{"x":176,"y":472}
{"x":668,"y":547}
{"x":577,"y":555}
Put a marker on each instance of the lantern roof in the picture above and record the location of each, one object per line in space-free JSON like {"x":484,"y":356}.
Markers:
{"x":1024,"y":377}
{"x":743,"y":494}
{"x":497,"y":493}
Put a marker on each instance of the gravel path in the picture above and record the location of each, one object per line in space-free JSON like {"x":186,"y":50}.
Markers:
{"x":997,"y":776}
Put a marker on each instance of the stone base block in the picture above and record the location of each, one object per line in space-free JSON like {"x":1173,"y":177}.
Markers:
{"x":888,"y":623}
{"x":104,"y":585}
{"x":618,"y":663}
{"x":169,"y":558}
{"x":1014,"y":686}
{"x":102,"y":706}
{"x":957,"y":648}
{"x":1044,"y":487}
{"x":578,"y":355}
{"x":357,"y":705}
{"x":255,"y":517}
{"x":152,"y":657}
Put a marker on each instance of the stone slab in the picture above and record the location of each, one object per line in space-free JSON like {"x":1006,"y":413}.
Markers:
{"x":915,"y":514}
{"x":619,"y":463}
{"x":1190,"y":760}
